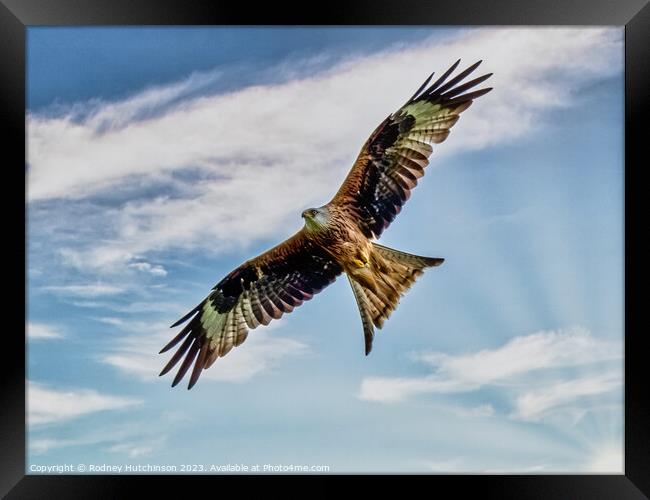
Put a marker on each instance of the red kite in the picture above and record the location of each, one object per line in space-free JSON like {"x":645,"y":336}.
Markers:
{"x":336,"y":238}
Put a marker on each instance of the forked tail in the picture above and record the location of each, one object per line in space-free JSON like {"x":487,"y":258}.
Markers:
{"x":392,"y":274}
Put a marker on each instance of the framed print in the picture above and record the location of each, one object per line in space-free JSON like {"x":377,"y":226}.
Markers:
{"x":388,"y":240}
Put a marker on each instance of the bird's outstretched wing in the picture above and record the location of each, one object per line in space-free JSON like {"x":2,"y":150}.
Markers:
{"x":395,"y":155}
{"x":256,"y":292}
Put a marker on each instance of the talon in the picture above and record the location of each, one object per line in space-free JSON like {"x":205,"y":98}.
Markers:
{"x":359,"y":263}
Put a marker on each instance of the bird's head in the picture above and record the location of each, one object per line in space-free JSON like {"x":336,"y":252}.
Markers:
{"x":316,"y":219}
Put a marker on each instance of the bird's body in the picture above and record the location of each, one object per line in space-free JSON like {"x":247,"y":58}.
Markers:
{"x":336,"y":238}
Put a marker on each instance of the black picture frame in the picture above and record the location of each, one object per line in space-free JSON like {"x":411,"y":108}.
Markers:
{"x":17,"y":15}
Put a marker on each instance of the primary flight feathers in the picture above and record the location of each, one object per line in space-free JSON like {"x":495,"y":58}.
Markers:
{"x":336,"y":237}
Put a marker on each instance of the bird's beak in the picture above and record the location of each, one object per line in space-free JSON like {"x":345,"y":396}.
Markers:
{"x":304,"y":214}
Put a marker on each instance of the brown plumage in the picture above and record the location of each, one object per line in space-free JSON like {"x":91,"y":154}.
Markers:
{"x":336,"y":237}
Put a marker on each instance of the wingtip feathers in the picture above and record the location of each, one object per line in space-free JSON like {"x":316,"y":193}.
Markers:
{"x":446,"y":89}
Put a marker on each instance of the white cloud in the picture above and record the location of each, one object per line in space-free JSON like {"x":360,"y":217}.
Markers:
{"x":133,"y":438}
{"x":132,"y":307}
{"x":47,"y":405}
{"x":535,"y":405}
{"x":541,"y":350}
{"x":156,"y":270}
{"x":108,"y":258}
{"x":395,"y":389}
{"x":43,"y":445}
{"x":137,"y":449}
{"x":41,"y":331}
{"x":85,"y":290}
{"x":111,"y":321}
{"x":264,"y":152}
{"x":522,"y":355}
{"x":132,"y":446}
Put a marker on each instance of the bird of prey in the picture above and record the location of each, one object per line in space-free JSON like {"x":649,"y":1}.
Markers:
{"x":336,"y":238}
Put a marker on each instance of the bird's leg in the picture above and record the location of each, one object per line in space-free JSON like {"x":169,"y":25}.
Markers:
{"x":361,"y":259}
{"x":362,"y":271}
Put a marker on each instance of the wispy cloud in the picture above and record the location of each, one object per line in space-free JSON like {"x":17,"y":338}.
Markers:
{"x":242,"y":164}
{"x":505,"y":367}
{"x":156,"y":270}
{"x":131,"y":307}
{"x":133,"y":447}
{"x":42,"y":331}
{"x":85,"y":290}
{"x":131,"y":438}
{"x":44,"y":444}
{"x":597,"y":458}
{"x":108,"y":258}
{"x":537,"y":351}
{"x":536,"y":404}
{"x":47,"y":405}
{"x":138,"y":449}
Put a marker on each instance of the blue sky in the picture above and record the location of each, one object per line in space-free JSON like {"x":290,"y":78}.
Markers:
{"x":161,"y":158}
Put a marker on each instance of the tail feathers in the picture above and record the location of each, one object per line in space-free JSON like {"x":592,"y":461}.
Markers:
{"x":407,"y":259}
{"x":364,"y":309}
{"x":394,"y":273}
